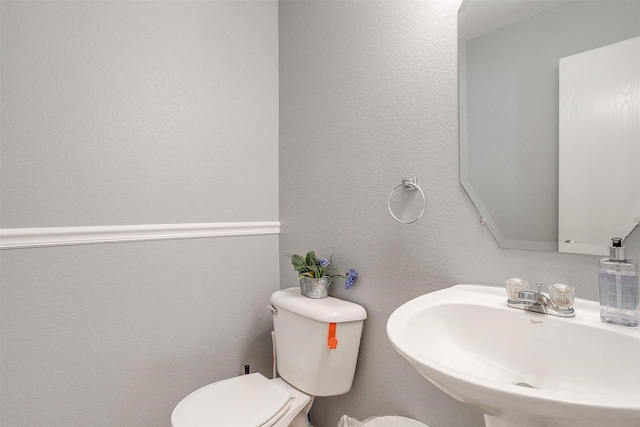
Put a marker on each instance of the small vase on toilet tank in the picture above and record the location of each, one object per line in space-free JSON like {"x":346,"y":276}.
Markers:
{"x":312,"y":287}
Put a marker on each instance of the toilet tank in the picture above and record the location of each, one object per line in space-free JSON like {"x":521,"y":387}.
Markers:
{"x":303,"y":328}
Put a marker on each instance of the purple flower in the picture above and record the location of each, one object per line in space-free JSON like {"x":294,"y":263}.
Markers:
{"x":351,"y":278}
{"x":324,"y":261}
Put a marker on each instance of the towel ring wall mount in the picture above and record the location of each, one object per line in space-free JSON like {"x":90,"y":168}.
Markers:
{"x":409,"y":184}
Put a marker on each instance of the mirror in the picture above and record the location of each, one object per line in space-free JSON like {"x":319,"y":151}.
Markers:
{"x":509,"y":53}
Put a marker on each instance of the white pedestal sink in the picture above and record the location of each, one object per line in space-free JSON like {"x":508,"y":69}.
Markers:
{"x":521,"y":368}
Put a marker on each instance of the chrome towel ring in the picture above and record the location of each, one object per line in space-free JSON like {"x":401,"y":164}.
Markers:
{"x":409,"y":184}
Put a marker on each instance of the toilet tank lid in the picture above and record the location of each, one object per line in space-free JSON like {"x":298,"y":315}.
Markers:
{"x":329,"y":310}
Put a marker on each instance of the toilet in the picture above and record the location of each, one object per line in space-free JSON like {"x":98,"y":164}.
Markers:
{"x":316,"y":350}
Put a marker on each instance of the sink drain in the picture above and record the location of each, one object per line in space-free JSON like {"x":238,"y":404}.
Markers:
{"x":525,"y":385}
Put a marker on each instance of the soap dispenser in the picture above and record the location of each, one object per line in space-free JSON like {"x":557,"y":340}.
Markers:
{"x":619,"y":290}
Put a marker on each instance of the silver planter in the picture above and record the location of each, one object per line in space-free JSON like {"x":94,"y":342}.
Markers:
{"x":316,"y":288}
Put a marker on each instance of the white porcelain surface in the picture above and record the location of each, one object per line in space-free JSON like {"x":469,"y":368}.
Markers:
{"x":304,"y":358}
{"x":243,"y":400}
{"x":325,"y":310}
{"x":468,"y":343}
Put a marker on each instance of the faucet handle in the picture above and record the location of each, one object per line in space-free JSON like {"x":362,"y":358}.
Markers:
{"x":539,"y":285}
{"x":561,"y":295}
{"x":514,"y":286}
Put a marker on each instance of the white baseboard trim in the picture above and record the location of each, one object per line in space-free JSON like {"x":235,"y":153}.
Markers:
{"x":20,"y":238}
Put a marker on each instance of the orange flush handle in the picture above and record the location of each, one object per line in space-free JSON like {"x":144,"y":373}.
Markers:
{"x":332,"y":342}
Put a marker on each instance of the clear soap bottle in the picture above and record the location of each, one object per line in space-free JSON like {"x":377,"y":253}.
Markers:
{"x":619,"y":288}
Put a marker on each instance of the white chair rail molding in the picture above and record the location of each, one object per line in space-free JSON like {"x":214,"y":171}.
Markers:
{"x":19,"y":238}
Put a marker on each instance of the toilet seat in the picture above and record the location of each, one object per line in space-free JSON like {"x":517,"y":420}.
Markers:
{"x":248,"y":400}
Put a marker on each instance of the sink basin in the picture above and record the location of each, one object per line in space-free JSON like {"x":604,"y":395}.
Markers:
{"x":521,"y":368}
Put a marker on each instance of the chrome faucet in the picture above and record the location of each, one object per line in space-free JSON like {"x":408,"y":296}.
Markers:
{"x":538,"y":302}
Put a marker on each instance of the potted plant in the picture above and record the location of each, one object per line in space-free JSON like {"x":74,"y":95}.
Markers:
{"x":316,"y":274}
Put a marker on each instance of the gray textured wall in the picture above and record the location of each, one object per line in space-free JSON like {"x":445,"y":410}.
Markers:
{"x":126,"y":113}
{"x":118,"y":334}
{"x":117,"y":113}
{"x":368,"y":95}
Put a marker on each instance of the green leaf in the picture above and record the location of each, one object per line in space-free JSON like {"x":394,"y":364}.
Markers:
{"x":297,"y":261}
{"x":311,"y":258}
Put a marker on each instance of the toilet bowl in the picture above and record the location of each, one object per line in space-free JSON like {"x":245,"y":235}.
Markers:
{"x":316,"y":350}
{"x":247,"y":400}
